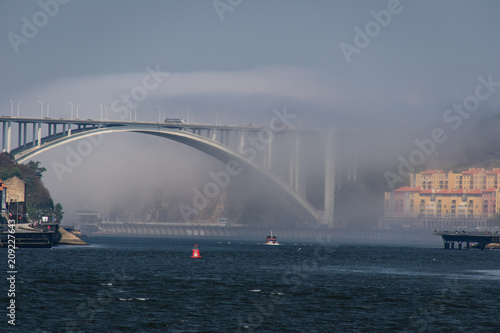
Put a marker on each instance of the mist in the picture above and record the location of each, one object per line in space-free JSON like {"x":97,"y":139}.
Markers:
{"x":263,"y":56}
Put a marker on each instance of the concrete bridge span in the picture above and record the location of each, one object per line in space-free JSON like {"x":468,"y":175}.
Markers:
{"x":228,"y":144}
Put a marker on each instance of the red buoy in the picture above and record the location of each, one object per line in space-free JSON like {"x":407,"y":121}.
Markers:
{"x":196,"y":252}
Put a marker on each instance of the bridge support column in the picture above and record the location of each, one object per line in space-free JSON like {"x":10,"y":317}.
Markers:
{"x":329,"y":179}
{"x":34,"y":135}
{"x":241,"y":144}
{"x":4,"y":135}
{"x":296,"y":163}
{"x":25,"y":134}
{"x":351,"y":167}
{"x":9,"y":136}
{"x":270,"y":153}
{"x":19,"y":134}
{"x":39,"y":134}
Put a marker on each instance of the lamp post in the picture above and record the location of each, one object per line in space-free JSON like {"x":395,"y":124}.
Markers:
{"x":11,"y":107}
{"x":130,"y":112}
{"x":71,"y":110}
{"x":48,"y":109}
{"x":135,"y":117}
{"x":77,"y":111}
{"x":18,"y":108}
{"x":101,"y":109}
{"x":41,"y":116}
{"x":159,"y":113}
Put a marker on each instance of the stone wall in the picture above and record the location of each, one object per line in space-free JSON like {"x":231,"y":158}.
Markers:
{"x":15,"y":189}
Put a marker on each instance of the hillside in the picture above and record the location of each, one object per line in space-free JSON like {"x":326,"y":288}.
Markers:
{"x":38,"y":199}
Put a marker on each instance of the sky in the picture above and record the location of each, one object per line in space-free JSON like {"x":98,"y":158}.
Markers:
{"x":391,"y":68}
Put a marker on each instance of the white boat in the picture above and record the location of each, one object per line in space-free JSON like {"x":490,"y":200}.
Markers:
{"x":271,"y":239}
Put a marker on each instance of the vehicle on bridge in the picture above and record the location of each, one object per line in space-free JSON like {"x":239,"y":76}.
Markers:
{"x":174,"y":120}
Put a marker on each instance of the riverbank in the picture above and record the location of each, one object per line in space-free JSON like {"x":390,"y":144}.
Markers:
{"x":68,"y":238}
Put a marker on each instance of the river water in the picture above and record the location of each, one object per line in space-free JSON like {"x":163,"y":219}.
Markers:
{"x":152,"y":285}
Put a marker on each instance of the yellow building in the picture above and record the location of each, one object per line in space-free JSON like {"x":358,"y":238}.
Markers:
{"x":471,"y":179}
{"x":447,"y":203}
{"x":411,"y":202}
{"x":444,"y":200}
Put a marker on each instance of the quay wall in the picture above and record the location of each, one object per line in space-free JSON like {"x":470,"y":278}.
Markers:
{"x":284,"y":235}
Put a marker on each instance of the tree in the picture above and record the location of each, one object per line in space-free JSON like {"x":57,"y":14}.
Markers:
{"x":35,"y":166}
{"x":58,"y":212}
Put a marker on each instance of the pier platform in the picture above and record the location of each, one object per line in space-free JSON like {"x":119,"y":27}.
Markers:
{"x":463,"y":237}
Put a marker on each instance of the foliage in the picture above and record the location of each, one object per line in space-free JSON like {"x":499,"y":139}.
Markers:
{"x":35,"y":166}
{"x":38,"y":200}
{"x":58,"y":212}
{"x":6,"y":173}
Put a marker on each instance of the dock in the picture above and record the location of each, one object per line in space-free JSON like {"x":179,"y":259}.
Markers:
{"x":460,"y":237}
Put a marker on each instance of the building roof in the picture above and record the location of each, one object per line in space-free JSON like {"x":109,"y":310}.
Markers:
{"x":472,"y":171}
{"x":429,"y":172}
{"x":408,"y":189}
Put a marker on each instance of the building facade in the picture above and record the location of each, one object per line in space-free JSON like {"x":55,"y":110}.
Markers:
{"x":467,"y":199}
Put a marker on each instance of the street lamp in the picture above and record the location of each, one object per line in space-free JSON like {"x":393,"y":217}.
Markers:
{"x":48,"y":109}
{"x":130,"y":112}
{"x":18,"y":108}
{"x":159,"y":113}
{"x":101,"y":109}
{"x":41,"y":116}
{"x":71,"y":110}
{"x":11,"y":107}
{"x":135,"y":114}
{"x":77,"y":111}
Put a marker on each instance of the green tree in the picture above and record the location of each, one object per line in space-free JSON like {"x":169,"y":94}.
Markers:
{"x":58,"y":212}
{"x":35,"y":166}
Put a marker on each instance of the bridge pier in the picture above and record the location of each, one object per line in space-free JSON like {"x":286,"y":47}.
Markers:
{"x":329,"y":179}
{"x":39,"y":135}
{"x":9,"y":136}
{"x":34,"y":135}
{"x":4,"y":133}
{"x":25,"y":134}
{"x":19,"y":134}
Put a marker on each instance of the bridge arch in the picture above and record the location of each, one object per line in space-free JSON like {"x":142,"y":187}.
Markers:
{"x":292,"y":199}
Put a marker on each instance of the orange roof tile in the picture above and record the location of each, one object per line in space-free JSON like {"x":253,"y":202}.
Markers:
{"x":429,"y":172}
{"x":472,"y":171}
{"x":408,"y":189}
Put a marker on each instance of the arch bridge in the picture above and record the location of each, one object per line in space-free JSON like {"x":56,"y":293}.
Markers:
{"x":279,"y":153}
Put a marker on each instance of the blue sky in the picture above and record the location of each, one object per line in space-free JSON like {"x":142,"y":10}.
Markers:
{"x":263,"y":54}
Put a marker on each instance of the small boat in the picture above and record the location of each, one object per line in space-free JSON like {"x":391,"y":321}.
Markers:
{"x":196,"y":252}
{"x":271,"y":239}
